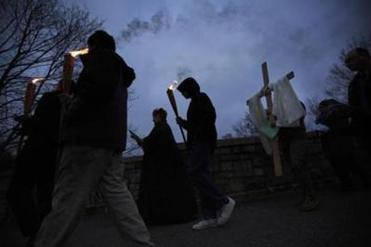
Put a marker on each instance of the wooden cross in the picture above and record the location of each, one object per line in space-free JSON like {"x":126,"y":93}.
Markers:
{"x":268,"y":96}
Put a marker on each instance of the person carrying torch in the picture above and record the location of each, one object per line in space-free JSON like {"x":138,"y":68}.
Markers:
{"x":30,"y":190}
{"x":29,"y":98}
{"x":202,"y":137}
{"x":94,"y":136}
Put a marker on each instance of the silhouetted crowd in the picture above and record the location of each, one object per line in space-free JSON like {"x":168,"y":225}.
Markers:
{"x":75,"y":142}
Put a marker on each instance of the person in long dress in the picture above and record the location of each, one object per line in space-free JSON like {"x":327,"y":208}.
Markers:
{"x":165,"y":194}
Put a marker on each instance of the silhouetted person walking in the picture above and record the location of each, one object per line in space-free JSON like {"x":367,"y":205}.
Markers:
{"x":359,"y":98}
{"x":293,"y":145}
{"x":338,"y":141}
{"x":94,"y":135}
{"x":30,"y":191}
{"x":165,"y":193}
{"x":202,"y":136}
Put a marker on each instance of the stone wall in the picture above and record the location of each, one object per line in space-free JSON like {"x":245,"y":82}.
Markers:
{"x":241,"y":167}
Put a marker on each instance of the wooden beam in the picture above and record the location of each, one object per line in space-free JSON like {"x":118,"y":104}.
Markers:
{"x":275,"y":146}
{"x":289,"y":76}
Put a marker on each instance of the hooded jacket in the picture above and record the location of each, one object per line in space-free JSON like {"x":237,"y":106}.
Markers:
{"x":201,"y":116}
{"x":97,"y":115}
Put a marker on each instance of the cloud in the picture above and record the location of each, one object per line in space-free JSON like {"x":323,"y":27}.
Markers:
{"x":159,"y":21}
{"x":223,"y":45}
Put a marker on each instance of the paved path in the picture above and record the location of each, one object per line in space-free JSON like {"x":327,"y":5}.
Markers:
{"x":343,"y":220}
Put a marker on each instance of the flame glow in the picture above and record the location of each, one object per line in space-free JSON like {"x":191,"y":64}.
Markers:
{"x":174,"y":85}
{"x":79,"y":52}
{"x":36,"y":80}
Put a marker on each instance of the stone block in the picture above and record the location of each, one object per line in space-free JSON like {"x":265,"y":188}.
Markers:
{"x":259,"y":171}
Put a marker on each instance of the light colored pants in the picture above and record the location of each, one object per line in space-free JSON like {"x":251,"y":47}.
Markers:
{"x":81,"y":170}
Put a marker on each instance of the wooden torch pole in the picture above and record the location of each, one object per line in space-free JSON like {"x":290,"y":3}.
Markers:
{"x":29,"y":97}
{"x":68,"y":64}
{"x":170,"y":94}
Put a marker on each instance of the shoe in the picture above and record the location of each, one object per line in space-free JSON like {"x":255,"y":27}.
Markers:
{"x":310,"y":203}
{"x":204,"y":224}
{"x":226,"y":212}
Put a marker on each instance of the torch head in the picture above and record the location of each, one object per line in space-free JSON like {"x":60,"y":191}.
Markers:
{"x":35,"y":81}
{"x":173,"y":85}
{"x":30,"y":94}
{"x":74,"y":54}
{"x":170,"y":94}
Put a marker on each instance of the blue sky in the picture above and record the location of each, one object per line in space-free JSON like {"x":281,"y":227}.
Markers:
{"x":223,"y":43}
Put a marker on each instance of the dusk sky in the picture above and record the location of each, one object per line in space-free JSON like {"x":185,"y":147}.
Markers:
{"x":222,"y":45}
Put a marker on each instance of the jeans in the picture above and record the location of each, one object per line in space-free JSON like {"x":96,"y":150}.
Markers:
{"x":199,"y":160}
{"x":363,"y":155}
{"x":294,"y":145}
{"x":82,"y":169}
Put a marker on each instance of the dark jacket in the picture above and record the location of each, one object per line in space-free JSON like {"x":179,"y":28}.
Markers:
{"x":200,"y":123}
{"x":42,"y":128}
{"x":335,"y":116}
{"x":337,"y":141}
{"x":97,"y":115}
{"x":359,"y":98}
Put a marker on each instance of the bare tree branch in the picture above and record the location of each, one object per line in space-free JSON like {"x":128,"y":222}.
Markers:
{"x":340,"y":76}
{"x":245,"y":127}
{"x":35,"y":35}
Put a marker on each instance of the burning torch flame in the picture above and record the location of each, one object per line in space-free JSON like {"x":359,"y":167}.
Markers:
{"x":79,"y":52}
{"x":36,"y":80}
{"x":173,"y":86}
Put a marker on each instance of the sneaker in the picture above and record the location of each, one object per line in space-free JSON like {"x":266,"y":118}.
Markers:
{"x":310,"y":203}
{"x":226,"y":212}
{"x":204,"y":224}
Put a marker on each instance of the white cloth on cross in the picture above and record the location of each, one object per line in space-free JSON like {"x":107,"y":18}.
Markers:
{"x":286,"y":105}
{"x":259,"y":118}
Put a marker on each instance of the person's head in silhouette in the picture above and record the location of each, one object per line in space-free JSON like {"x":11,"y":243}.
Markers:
{"x":101,"y":40}
{"x":358,"y":59}
{"x":189,"y":88}
{"x":324,"y":104}
{"x":159,"y":115}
